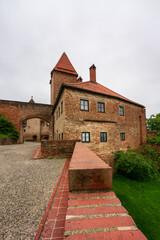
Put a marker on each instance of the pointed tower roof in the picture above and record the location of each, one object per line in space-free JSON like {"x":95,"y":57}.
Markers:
{"x":31,"y":100}
{"x":64,"y":65}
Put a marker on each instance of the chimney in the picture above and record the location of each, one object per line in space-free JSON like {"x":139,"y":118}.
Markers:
{"x":93,"y":73}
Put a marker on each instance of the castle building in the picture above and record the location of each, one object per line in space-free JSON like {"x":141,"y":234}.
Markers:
{"x":102,"y":119}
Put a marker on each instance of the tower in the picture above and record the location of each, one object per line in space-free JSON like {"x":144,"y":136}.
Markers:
{"x":63,"y":72}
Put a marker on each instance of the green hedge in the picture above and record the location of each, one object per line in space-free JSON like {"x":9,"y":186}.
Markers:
{"x":135,"y":166}
{"x":155,"y":140}
{"x":7,"y":129}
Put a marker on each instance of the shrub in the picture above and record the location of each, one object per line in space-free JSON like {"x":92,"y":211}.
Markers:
{"x":155,"y":140}
{"x":149,"y":152}
{"x":7,"y":128}
{"x":135,"y":166}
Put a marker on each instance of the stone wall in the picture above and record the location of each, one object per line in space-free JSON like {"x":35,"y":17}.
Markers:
{"x":133,"y":123}
{"x":60,"y":149}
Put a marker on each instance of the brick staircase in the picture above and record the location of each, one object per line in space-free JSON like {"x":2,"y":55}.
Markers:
{"x":95,"y":212}
{"x":91,"y":212}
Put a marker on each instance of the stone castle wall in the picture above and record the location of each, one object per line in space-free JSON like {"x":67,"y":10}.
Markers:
{"x":76,"y":121}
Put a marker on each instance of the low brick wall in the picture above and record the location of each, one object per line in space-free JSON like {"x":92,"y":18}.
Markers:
{"x":8,"y":141}
{"x":60,"y":149}
{"x":87,"y":171}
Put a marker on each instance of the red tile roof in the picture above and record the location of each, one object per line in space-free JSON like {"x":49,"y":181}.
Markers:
{"x":64,"y":65}
{"x":98,"y":88}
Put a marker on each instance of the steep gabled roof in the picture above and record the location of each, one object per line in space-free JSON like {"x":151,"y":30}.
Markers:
{"x":94,"y":88}
{"x":64,"y":65}
{"x":97,"y":88}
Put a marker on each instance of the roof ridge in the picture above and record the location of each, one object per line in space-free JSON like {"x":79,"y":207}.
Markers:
{"x":104,"y":90}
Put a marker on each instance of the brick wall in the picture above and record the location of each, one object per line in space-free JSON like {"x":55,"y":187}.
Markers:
{"x":17,"y":112}
{"x":56,"y":81}
{"x":7,"y":141}
{"x":59,"y":122}
{"x":61,"y":149}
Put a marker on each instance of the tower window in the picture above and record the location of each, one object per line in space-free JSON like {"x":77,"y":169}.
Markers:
{"x":61,"y":107}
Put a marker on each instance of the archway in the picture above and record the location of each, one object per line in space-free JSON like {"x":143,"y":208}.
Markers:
{"x":35,"y":128}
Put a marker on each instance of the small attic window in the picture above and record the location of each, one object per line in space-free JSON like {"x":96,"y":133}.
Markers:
{"x":93,"y":82}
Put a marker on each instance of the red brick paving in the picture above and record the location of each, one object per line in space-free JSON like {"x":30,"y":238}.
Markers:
{"x":53,"y":222}
{"x":36,"y":154}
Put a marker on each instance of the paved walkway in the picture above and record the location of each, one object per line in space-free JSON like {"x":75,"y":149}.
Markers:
{"x":26,"y":187}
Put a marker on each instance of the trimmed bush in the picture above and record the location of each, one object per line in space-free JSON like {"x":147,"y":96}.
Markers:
{"x":135,"y":166}
{"x":7,"y":129}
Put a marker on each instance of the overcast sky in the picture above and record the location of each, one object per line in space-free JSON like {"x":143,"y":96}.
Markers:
{"x":121,"y":37}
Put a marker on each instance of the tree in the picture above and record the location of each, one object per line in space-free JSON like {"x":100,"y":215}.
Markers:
{"x":153,"y":122}
{"x":7,"y":128}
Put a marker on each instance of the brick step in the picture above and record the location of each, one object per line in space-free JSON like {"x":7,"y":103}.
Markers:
{"x":96,"y":210}
{"x":99,"y":223}
{"x":92,"y":202}
{"x":111,"y":235}
{"x":91,"y":194}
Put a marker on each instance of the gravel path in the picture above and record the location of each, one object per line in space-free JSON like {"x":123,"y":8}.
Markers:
{"x":26,"y":187}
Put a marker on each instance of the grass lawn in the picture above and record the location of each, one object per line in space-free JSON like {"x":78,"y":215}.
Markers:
{"x":142,"y":201}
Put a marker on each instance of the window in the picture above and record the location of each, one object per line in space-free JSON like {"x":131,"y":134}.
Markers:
{"x":24,"y":124}
{"x":103,"y":137}
{"x":59,"y":136}
{"x":122,"y":136}
{"x":84,"y":105}
{"x":62,"y":136}
{"x":58,"y":111}
{"x":61,"y":107}
{"x":42,"y":123}
{"x":101,"y":107}
{"x":121,"y":111}
{"x":85,"y":137}
{"x":56,"y":115}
